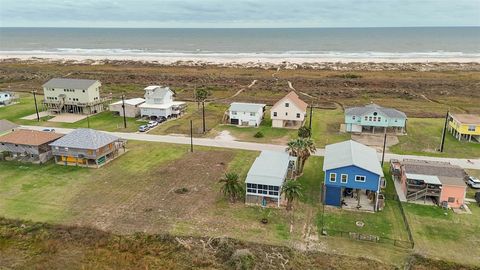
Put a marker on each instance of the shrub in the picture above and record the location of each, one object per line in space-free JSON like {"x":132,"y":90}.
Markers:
{"x":258,"y":135}
{"x":242,"y":259}
{"x":304,"y":132}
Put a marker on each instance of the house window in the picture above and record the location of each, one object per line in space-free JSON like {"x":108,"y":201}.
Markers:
{"x":375,"y":113}
{"x":234,"y":113}
{"x":374,"y":119}
{"x":353,"y":117}
{"x":360,"y":178}
{"x":263,"y":189}
{"x":252,"y":114}
{"x":274,"y":113}
{"x":286,"y":113}
{"x":370,"y":118}
{"x":287,"y":104}
{"x":471,"y":128}
{"x":366,"y":118}
{"x":451,"y":199}
{"x":344,"y":178}
{"x":298,"y":115}
{"x":379,"y":119}
{"x":333,"y":177}
{"x":83,"y":91}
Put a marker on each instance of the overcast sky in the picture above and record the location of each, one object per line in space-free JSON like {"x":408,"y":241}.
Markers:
{"x":239,"y":13}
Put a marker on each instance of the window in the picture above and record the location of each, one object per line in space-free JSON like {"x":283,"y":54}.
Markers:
{"x":471,"y":128}
{"x":374,"y":119}
{"x":298,"y":115}
{"x":353,"y":117}
{"x":360,"y":178}
{"x":375,"y":113}
{"x":252,"y":114}
{"x":83,"y":91}
{"x":333,"y":177}
{"x":274,"y":113}
{"x":379,"y":119}
{"x":366,"y":118}
{"x":286,"y":113}
{"x":287,"y":104}
{"x":370,"y":118}
{"x":451,"y":199}
{"x":344,"y":178}
{"x":234,"y":113}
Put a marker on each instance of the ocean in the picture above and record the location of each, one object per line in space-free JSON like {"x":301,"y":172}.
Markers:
{"x":308,"y":43}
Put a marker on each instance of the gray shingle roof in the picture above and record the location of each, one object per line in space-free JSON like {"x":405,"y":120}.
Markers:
{"x":245,"y":107}
{"x":360,"y":111}
{"x":85,"y":138}
{"x":350,"y":153}
{"x":447,"y":173}
{"x":270,"y":168}
{"x":69,"y":83}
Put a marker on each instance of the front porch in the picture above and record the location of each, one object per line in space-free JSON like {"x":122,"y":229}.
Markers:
{"x":358,"y":200}
{"x":90,"y":162}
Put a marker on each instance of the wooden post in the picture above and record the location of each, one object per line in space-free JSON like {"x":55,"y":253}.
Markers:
{"x":442,"y":144}
{"x":203,"y":115}
{"x":384,"y":146}
{"x":124,"y":117}
{"x":36,"y":106}
{"x":191,"y":136}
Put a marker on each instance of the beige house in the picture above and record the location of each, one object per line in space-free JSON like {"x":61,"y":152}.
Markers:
{"x":132,"y":107}
{"x":289,"y":112}
{"x":73,"y":96}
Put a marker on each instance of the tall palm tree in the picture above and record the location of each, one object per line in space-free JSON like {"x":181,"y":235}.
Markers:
{"x":302,"y":148}
{"x":292,"y":191}
{"x":232,"y":188}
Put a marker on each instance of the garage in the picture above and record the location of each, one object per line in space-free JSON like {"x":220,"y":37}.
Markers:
{"x":234,"y":121}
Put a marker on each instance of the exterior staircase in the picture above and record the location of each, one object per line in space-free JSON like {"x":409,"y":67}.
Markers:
{"x":418,"y":194}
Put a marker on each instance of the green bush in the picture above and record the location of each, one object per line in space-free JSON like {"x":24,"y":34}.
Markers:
{"x":258,"y":135}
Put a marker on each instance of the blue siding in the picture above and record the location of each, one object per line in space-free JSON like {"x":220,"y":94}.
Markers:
{"x":371,"y":181}
{"x":333,"y":195}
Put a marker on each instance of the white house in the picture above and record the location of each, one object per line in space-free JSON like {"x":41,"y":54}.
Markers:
{"x":289,"y":112}
{"x":266,"y":177}
{"x":6,"y":98}
{"x":132,"y":107}
{"x":159,"y":103}
{"x":246,"y":114}
{"x":73,"y":95}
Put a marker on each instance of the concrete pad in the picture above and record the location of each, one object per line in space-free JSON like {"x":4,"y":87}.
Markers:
{"x":375,"y":140}
{"x":67,"y":118}
{"x":34,"y":116}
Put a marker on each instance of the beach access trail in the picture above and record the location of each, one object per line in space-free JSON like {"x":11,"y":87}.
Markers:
{"x":218,"y":142}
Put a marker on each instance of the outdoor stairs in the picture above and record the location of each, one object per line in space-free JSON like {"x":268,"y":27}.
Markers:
{"x":418,"y":194}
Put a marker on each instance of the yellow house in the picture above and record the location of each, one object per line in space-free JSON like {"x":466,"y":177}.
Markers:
{"x":464,"y":126}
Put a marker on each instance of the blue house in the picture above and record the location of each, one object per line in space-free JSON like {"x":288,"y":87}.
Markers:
{"x":353,"y":176}
{"x":373,"y":117}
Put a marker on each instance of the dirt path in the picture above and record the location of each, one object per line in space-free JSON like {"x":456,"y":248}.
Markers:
{"x":236,"y":93}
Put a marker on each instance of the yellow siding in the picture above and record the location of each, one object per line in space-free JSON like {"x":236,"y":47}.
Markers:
{"x":463,"y":129}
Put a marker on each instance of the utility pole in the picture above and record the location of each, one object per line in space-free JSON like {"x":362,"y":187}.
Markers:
{"x":123,"y":108}
{"x":384,"y":145}
{"x":191,"y":136}
{"x":36,"y":106}
{"x":203,"y":115}
{"x":442,"y":144}
{"x":88,"y":120}
{"x":311,"y":115}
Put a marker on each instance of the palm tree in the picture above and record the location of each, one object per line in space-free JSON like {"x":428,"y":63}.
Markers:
{"x":302,"y":148}
{"x":232,"y":188}
{"x":292,"y":191}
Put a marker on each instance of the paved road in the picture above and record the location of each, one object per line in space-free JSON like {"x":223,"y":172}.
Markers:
{"x":464,"y":163}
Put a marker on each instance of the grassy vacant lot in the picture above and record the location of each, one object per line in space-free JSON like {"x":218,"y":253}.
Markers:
{"x":213,"y":116}
{"x":441,"y":234}
{"x":424,"y":137}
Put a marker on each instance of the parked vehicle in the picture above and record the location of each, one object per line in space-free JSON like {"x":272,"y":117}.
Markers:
{"x":152,"y":124}
{"x":143,"y":128}
{"x":473,"y":182}
{"x":161,"y":119}
{"x":48,"y":130}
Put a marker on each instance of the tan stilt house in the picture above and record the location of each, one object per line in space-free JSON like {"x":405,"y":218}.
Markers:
{"x":87,"y":148}
{"x":73,"y":96}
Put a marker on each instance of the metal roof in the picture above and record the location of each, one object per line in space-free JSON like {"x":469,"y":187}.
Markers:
{"x":270,"y":168}
{"x":350,"y":153}
{"x":69,"y":83}
{"x":429,"y":179}
{"x":132,"y":101}
{"x":85,"y":138}
{"x":156,"y":91}
{"x":245,"y":107}
{"x":360,"y":111}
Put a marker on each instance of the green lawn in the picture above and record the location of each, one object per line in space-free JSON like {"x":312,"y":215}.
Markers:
{"x":445,"y":235}
{"x":424,"y":138}
{"x":24,"y":107}
{"x":213,"y":116}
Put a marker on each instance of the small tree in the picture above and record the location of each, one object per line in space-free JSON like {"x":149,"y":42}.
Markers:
{"x":292,"y":190}
{"x":201,"y":94}
{"x":232,"y":188}
{"x":304,"y":132}
{"x":302,"y":148}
